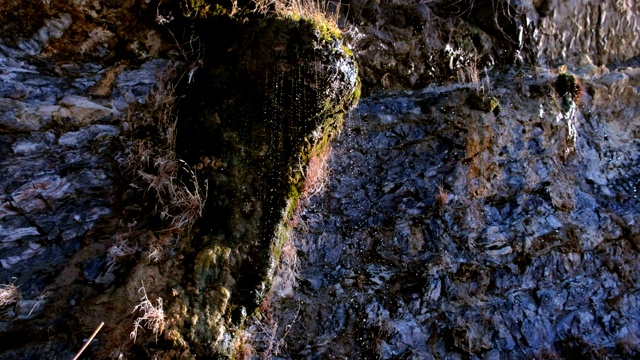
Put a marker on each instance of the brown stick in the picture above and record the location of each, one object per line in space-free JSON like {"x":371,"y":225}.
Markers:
{"x":89,"y":341}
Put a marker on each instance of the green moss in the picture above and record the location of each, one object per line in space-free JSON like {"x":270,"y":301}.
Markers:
{"x":292,"y":198}
{"x":325,"y":30}
{"x":347,"y":51}
{"x":569,"y":88}
{"x":493,"y":105}
{"x":218,"y":10}
{"x":357,"y":92}
{"x":194,"y":8}
{"x":209,"y":264}
{"x":202,"y":9}
{"x":484,"y":103}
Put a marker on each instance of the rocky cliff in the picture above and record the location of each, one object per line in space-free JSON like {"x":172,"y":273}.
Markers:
{"x":177,"y":170}
{"x":490,"y":215}
{"x":449,"y":231}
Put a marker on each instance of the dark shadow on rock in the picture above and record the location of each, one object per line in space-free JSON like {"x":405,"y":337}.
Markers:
{"x":260,"y":101}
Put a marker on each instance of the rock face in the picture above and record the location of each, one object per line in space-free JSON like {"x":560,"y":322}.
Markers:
{"x":61,"y":197}
{"x":405,"y":45}
{"x":450,"y":232}
{"x":162,"y":160}
{"x":98,"y":31}
{"x":604,"y":30}
{"x":410,"y":45}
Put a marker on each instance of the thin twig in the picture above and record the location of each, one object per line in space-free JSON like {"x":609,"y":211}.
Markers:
{"x":89,"y":341}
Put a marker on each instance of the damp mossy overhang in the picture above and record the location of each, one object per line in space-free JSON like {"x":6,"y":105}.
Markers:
{"x":266,"y":96}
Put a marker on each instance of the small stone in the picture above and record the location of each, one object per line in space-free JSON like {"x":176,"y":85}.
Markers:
{"x":26,"y":147}
{"x":615,"y":79}
{"x":76,"y":139}
{"x":401,"y":47}
{"x":499,"y":252}
{"x":9,"y":235}
{"x":12,"y":260}
{"x":28,"y":254}
{"x":435,"y":288}
{"x":554,"y":222}
{"x":493,"y":238}
{"x":532,"y":333}
{"x":81,"y":111}
{"x":68,"y":235}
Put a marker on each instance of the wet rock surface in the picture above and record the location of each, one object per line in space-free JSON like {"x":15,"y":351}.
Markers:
{"x":282,"y":95}
{"x":450,"y":232}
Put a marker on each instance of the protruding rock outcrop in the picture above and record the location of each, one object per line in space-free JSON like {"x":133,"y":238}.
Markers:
{"x":250,"y":119}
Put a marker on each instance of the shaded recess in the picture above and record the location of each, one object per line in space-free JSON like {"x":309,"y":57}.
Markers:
{"x":263,"y":97}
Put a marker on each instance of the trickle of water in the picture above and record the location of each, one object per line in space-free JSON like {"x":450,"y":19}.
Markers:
{"x":297,"y":90}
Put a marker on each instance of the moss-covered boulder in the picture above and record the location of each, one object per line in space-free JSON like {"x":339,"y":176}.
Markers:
{"x":258,"y":102}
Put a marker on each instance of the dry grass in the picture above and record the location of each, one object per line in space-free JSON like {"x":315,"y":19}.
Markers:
{"x":40,"y":299}
{"x":191,"y":47}
{"x":120,"y":250}
{"x":242,"y":345}
{"x":169,"y":187}
{"x":469,"y":75}
{"x":9,"y":295}
{"x":317,"y":174}
{"x":155,"y":253}
{"x":189,"y":201}
{"x":152,"y":316}
{"x":263,"y":331}
{"x":502,"y":11}
{"x":472,"y":75}
{"x":287,"y":272}
{"x":156,"y":168}
{"x":176,"y":202}
{"x":442,"y":197}
{"x":322,"y":11}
